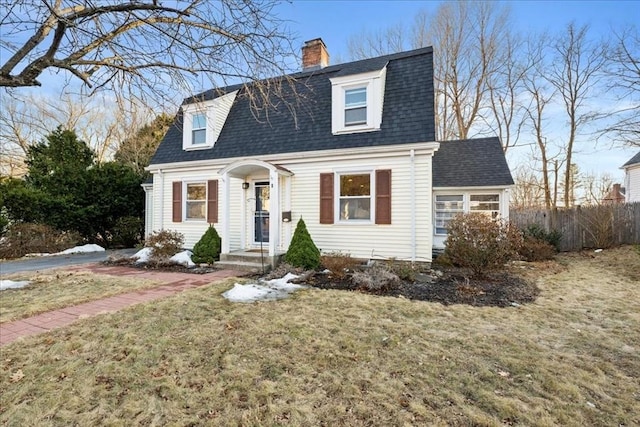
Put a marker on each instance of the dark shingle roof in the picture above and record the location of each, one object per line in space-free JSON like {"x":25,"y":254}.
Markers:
{"x":635,"y":159}
{"x":408,"y":114}
{"x":471,"y":163}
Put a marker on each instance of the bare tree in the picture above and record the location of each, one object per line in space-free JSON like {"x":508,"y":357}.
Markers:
{"x":103,"y":123}
{"x":529,"y":191}
{"x":141,"y":48}
{"x":596,"y":187}
{"x":574,"y":71}
{"x":469,"y":41}
{"x":624,"y":81}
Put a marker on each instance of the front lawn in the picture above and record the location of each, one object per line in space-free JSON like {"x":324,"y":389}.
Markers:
{"x":330,"y":357}
{"x":54,"y":289}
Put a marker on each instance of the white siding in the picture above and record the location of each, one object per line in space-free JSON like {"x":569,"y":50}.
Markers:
{"x":368,"y":240}
{"x":632,"y":183}
{"x":360,"y":240}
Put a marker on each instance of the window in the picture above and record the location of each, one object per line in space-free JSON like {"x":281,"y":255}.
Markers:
{"x":485,"y":203}
{"x":199,"y":129}
{"x":355,"y":106}
{"x":355,"y":197}
{"x":447,"y":207}
{"x":357,"y":101}
{"x":196,"y":201}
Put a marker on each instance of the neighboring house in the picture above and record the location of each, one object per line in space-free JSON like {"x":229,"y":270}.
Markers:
{"x":632,"y":179}
{"x":615,"y":195}
{"x":358,"y":162}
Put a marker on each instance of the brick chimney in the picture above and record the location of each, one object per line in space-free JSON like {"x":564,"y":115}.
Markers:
{"x":314,"y":55}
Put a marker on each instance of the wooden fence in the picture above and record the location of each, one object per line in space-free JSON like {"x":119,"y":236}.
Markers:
{"x":600,"y":226}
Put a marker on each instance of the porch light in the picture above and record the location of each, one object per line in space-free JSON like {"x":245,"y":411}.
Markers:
{"x":245,"y":185}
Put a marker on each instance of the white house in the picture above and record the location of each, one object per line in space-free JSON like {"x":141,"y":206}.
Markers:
{"x":632,"y":179}
{"x":358,"y":161}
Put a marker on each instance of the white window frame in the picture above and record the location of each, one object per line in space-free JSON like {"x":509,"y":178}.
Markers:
{"x":185,"y":201}
{"x":436,"y":210}
{"x":373,"y":82}
{"x":467,"y":204}
{"x":372,"y":199}
{"x":189,"y":112}
{"x":355,"y":107}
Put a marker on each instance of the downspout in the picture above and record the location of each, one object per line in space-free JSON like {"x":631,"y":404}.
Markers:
{"x":412,"y":192}
{"x":161,"y":213}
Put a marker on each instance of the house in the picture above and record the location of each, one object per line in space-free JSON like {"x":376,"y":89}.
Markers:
{"x":358,"y":161}
{"x":615,"y":195}
{"x":632,"y":179}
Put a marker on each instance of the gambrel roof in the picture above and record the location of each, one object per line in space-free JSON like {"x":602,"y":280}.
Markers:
{"x":407,"y":117}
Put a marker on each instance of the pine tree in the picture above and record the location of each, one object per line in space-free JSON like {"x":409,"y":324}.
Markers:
{"x":207,"y":250}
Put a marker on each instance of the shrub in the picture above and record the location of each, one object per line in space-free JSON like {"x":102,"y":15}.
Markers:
{"x":207,"y":250}
{"x":482,"y":244}
{"x":302,"y":251}
{"x":26,"y":238}
{"x":403,"y":269}
{"x":338,"y":263}
{"x":533,"y":249}
{"x":165,"y":244}
{"x":377,"y":279}
{"x":552,"y":237}
{"x":127,"y":231}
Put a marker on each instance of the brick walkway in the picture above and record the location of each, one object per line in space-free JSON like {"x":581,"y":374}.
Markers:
{"x":172,"y":284}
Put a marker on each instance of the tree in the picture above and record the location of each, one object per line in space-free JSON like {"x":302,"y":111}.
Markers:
{"x":142,"y":48}
{"x":575,"y":71}
{"x":207,"y":249}
{"x":302,"y":251}
{"x":137,"y":150}
{"x":470,"y":46}
{"x":623,"y":74}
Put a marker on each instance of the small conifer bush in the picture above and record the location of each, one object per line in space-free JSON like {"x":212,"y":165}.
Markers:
{"x":207,"y":250}
{"x":302,"y":251}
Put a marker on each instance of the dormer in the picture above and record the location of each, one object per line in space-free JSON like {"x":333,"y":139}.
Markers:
{"x":357,"y":101}
{"x":203,"y":121}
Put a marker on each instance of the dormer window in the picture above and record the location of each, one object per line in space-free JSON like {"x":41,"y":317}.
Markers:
{"x":203,"y":121}
{"x":357,"y":101}
{"x":355,"y":106}
{"x":199,"y":129}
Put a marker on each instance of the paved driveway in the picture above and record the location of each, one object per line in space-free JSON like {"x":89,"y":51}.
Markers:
{"x":44,"y":263}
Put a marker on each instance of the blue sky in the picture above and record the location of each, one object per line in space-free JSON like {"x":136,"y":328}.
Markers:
{"x":336,"y":21}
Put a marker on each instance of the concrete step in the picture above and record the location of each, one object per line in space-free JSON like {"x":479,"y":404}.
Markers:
{"x":247,"y":266}
{"x":244,"y":256}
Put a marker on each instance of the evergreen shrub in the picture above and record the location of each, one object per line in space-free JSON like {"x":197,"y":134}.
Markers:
{"x":207,"y":250}
{"x":302,"y":251}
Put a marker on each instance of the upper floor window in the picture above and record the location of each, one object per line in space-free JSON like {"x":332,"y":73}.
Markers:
{"x":355,"y":106}
{"x":357,"y":102}
{"x":203,"y":121}
{"x":199,"y":129}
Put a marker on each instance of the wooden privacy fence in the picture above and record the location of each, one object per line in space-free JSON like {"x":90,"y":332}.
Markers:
{"x":600,"y":226}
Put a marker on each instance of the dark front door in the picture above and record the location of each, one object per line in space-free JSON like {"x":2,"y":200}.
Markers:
{"x":261,"y":216}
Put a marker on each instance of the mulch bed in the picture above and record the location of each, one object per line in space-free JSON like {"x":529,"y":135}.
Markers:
{"x":497,"y":290}
{"x":452,"y":286}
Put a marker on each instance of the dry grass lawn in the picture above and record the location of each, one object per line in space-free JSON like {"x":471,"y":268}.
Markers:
{"x":341,"y":358}
{"x":53,"y":289}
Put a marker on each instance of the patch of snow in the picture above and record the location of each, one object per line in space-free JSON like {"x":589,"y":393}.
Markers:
{"x":598,"y":251}
{"x":10,"y":284}
{"x":82,"y":249}
{"x":267,"y":291}
{"x":142,"y":255}
{"x":183,"y":258}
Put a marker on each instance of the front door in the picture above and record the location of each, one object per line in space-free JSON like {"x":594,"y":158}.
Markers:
{"x":261,"y":216}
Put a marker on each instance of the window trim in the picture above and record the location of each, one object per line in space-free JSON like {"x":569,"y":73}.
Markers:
{"x":352,"y":125}
{"x":185,"y":200}
{"x":466,"y":203}
{"x":338,"y":198}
